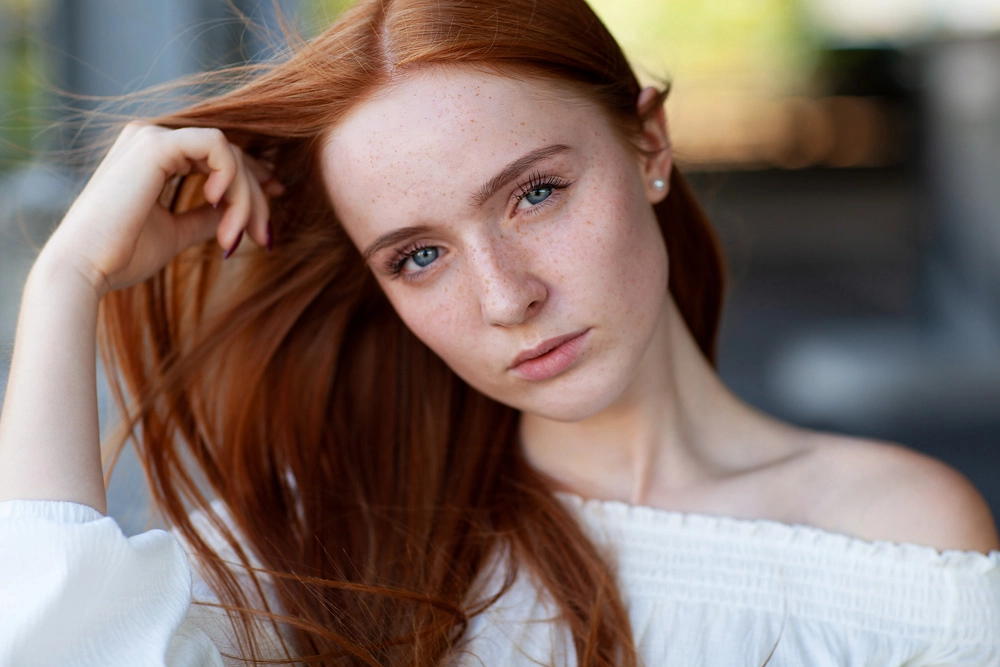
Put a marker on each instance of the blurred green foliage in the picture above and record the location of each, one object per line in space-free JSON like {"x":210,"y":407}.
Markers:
{"x":321,"y":13}
{"x":20,"y":74}
{"x":762,"y":44}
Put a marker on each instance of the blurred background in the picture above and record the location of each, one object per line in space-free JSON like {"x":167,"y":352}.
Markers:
{"x":848,"y":152}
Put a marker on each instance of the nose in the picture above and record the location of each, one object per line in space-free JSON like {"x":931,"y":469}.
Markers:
{"x":509,"y":293}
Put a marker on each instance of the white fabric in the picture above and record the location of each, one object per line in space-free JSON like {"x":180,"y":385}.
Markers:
{"x":715,"y":591}
{"x":700,"y":591}
{"x":75,"y":591}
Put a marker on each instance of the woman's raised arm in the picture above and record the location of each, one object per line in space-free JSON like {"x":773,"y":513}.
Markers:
{"x":114,"y":235}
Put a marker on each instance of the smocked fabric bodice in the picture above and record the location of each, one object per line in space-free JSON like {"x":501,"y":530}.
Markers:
{"x":700,"y":591}
{"x":705,"y":590}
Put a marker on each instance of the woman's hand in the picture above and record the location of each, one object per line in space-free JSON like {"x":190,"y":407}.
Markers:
{"x":116,"y":233}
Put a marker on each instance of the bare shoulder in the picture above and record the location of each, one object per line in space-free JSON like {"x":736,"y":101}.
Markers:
{"x":882,"y":491}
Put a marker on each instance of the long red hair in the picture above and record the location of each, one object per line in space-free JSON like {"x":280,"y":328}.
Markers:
{"x":374,"y":486}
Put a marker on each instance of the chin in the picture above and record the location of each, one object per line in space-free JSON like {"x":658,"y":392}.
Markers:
{"x":566,"y":412}
{"x":575,"y":398}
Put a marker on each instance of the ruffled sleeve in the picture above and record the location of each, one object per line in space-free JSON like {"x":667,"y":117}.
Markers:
{"x":75,"y":590}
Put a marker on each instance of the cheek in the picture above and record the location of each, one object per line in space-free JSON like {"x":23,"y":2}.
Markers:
{"x":643,"y":260}
{"x":441,"y":319}
{"x":620,"y":244}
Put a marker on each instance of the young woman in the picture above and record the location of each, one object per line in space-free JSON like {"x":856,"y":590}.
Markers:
{"x":451,"y":399}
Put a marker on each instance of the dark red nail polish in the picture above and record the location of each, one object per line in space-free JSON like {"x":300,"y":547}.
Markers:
{"x":236,"y":244}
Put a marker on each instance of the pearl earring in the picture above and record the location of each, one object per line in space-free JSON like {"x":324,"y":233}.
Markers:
{"x":659,"y":184}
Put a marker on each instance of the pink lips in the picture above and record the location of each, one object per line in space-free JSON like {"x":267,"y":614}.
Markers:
{"x":550,"y":357}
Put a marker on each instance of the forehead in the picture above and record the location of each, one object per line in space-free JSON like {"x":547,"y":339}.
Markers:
{"x":444,"y":131}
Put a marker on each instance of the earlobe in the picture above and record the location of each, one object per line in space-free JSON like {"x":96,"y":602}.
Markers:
{"x":657,"y":158}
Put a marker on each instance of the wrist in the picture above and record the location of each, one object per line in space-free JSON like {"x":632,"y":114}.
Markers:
{"x":67,"y":273}
{"x":56,"y":275}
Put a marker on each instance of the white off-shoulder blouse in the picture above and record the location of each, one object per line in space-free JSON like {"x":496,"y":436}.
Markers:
{"x":700,"y":590}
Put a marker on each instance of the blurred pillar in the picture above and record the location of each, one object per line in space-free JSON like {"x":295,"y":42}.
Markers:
{"x":107,"y":48}
{"x":879,"y":377}
{"x":963,"y":162}
{"x":111,"y":47}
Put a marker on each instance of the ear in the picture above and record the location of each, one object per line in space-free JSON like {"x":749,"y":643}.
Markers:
{"x":654,"y":145}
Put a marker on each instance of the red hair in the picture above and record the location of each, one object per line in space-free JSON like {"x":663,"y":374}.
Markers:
{"x":372,"y":483}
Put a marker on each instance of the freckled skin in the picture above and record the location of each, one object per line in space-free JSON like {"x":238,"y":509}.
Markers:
{"x":591,"y":256}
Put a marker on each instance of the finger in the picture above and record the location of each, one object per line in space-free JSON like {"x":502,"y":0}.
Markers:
{"x":196,"y":145}
{"x":239,"y":204}
{"x":273,"y":188}
{"x":263,"y":171}
{"x":260,"y":171}
{"x":259,"y":230}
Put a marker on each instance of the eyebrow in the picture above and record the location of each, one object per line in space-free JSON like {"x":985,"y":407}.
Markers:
{"x":490,"y":188}
{"x":513,"y":170}
{"x":394,"y":237}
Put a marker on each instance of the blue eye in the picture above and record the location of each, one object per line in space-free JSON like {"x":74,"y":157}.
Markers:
{"x":412,"y":260}
{"x":538,"y":195}
{"x":537,"y":191}
{"x":424,"y":256}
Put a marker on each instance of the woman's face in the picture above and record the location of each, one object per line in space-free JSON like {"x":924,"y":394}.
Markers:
{"x":511,"y":229}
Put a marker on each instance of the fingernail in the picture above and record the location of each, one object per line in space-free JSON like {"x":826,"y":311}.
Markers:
{"x":229,"y":253}
{"x":270,"y":246}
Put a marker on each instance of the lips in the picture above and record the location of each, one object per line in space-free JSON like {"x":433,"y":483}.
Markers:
{"x":550,"y":357}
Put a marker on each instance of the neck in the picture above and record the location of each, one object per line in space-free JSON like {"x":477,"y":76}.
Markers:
{"x":676,"y":429}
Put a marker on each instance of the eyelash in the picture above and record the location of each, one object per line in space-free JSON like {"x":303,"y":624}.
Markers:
{"x":400,"y":256}
{"x":535,"y":181}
